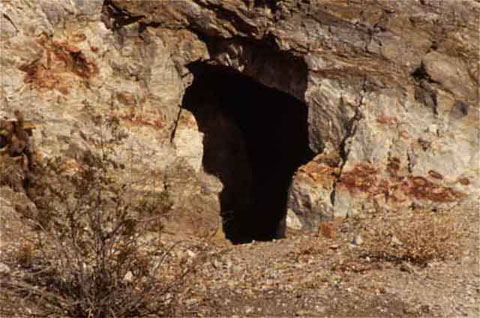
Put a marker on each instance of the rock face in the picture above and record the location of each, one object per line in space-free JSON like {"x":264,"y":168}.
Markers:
{"x":391,"y":90}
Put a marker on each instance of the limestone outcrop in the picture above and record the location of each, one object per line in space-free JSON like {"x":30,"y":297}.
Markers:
{"x":391,"y":90}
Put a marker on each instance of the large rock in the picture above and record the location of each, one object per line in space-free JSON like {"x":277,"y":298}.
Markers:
{"x":391,"y":89}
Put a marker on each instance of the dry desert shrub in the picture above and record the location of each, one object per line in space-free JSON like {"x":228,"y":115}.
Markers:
{"x":11,"y":173}
{"x":88,"y":256}
{"x":417,"y":237}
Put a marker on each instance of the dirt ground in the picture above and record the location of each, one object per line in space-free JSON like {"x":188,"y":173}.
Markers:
{"x":315,"y":276}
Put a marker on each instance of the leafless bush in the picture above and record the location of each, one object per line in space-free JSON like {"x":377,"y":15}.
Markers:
{"x":88,"y":258}
{"x":417,"y":237}
{"x":11,"y":173}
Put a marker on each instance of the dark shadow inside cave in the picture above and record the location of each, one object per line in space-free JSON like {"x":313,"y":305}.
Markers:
{"x":255,"y":137}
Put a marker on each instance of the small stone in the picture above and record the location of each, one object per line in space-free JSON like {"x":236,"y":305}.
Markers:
{"x":357,"y":240}
{"x":128,"y":277}
{"x":396,"y":241}
{"x":215,"y":263}
{"x":293,"y":221}
{"x":4,"y":269}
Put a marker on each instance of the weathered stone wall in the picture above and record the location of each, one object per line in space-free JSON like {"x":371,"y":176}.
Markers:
{"x":391,"y":89}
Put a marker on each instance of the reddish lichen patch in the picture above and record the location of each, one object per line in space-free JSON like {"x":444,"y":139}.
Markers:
{"x":386,"y":120}
{"x":65,"y":90}
{"x":74,"y":59}
{"x":141,"y":120}
{"x":54,"y":69}
{"x":404,"y":134}
{"x":463,"y":181}
{"x":126,"y":98}
{"x":71,"y":56}
{"x":322,"y":169}
{"x":364,"y":178}
{"x":393,"y":167}
{"x":31,"y":70}
{"x":423,"y":189}
{"x":42,"y":78}
{"x":317,"y":173}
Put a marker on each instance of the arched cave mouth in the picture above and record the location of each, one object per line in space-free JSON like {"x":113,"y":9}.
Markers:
{"x":255,"y":137}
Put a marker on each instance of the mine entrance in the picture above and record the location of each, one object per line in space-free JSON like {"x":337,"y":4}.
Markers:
{"x":255,"y":137}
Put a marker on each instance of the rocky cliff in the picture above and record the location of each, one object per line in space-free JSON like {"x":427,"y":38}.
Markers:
{"x":248,"y":109}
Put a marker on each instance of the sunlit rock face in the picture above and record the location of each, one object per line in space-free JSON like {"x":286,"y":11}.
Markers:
{"x":389,"y":88}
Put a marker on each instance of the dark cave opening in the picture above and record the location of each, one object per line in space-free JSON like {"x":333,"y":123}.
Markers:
{"x":255,"y":137}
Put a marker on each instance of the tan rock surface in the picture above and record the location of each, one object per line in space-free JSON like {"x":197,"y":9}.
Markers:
{"x":389,"y":85}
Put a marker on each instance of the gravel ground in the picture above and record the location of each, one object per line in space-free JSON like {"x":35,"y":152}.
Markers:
{"x":313,"y":276}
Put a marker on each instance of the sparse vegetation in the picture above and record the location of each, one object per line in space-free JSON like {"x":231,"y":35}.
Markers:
{"x":89,"y":257}
{"x":417,"y":237}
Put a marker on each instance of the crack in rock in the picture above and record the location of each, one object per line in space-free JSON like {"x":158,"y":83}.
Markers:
{"x":346,"y":142}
